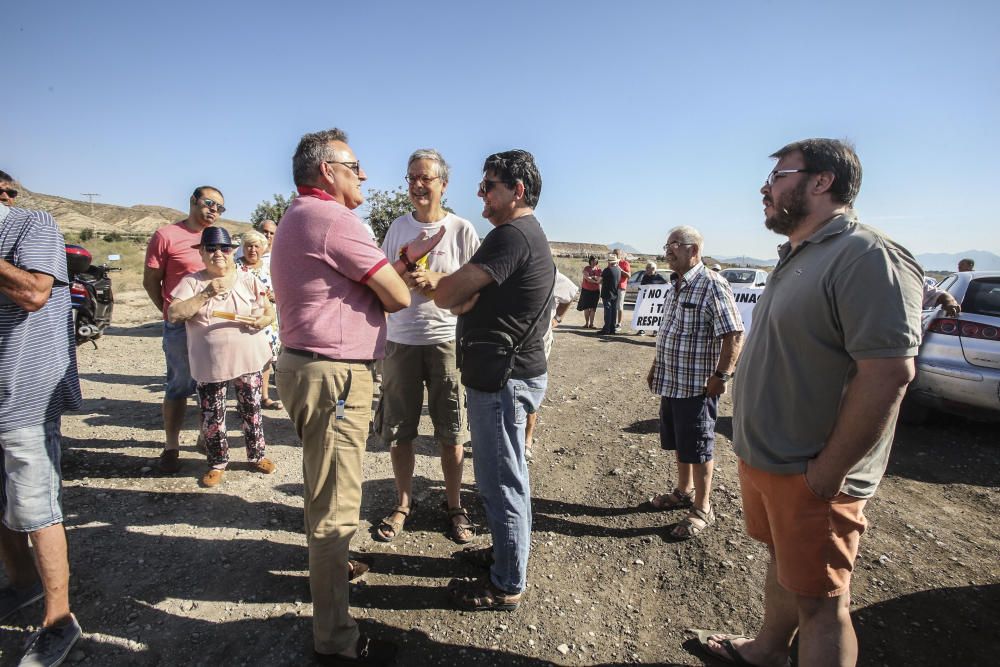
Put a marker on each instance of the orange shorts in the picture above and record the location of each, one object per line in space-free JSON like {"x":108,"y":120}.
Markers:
{"x":815,"y":541}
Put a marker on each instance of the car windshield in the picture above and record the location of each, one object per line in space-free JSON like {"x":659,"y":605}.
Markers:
{"x":735,"y":276}
{"x":983,"y":297}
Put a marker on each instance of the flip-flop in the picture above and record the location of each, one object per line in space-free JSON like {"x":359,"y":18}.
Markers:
{"x":732,"y":655}
{"x":272,"y":405}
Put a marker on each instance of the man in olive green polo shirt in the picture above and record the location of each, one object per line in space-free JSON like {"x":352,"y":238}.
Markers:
{"x":815,"y":400}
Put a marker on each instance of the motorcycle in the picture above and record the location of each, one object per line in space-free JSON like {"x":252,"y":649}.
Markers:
{"x":91,"y":293}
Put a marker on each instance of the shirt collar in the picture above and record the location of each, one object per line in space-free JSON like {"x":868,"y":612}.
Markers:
{"x":833,"y":227}
{"x":690,"y":275}
{"x":307,"y":191}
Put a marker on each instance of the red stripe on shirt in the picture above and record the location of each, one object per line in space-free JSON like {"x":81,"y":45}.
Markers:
{"x":371,"y":271}
{"x":307,"y":191}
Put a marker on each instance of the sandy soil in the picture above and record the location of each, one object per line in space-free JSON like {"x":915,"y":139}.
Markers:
{"x":165,"y":572}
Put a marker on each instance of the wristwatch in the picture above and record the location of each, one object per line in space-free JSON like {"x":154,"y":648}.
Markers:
{"x":725,"y":377}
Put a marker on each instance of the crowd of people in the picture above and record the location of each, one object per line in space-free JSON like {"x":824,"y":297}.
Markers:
{"x":471,"y":322}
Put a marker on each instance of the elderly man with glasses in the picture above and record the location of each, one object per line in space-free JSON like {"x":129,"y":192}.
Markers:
{"x":172,"y":254}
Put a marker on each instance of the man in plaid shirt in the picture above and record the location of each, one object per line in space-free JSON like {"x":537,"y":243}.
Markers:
{"x":696,"y":351}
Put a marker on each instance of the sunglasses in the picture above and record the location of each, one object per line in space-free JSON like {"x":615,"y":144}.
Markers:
{"x":211,"y":203}
{"x":486,"y":186}
{"x":210,"y":249}
{"x":10,"y":192}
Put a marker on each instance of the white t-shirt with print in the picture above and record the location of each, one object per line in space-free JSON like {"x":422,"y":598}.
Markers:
{"x":423,"y":323}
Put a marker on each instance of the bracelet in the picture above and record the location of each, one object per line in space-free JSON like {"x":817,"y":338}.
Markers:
{"x":410,"y":266}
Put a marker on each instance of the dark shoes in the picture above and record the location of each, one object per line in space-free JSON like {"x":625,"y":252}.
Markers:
{"x":482,"y":596}
{"x":170,"y":460}
{"x":371,"y":651}
{"x":12,"y":599}
{"x":49,"y":646}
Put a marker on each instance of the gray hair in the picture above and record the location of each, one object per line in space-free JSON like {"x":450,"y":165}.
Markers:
{"x":431,"y":154}
{"x":313,"y":149}
{"x":651,"y":265}
{"x":254,"y":237}
{"x":688,"y":234}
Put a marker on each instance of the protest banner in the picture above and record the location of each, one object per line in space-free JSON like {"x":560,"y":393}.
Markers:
{"x":647,"y":316}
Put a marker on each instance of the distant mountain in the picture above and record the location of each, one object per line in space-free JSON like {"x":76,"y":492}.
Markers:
{"x":629,"y":249}
{"x":943,"y":261}
{"x":743,"y":260}
{"x":73,"y":215}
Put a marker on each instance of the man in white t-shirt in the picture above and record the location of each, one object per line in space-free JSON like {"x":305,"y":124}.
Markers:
{"x":421,"y":348}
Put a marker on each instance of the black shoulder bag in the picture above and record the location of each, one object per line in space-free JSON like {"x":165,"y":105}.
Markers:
{"x":487,"y":357}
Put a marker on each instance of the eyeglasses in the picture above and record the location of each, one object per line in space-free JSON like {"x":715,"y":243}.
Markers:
{"x":487,"y":185}
{"x":211,"y":249}
{"x":778,"y":173}
{"x":422,"y":180}
{"x":10,"y":192}
{"x":211,"y":203}
{"x":674,"y":245}
{"x":353,"y":166}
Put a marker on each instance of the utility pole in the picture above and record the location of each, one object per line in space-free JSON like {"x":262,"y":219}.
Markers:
{"x":90,"y":197}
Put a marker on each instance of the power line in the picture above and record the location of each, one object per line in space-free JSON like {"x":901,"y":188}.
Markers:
{"x":90,"y":197}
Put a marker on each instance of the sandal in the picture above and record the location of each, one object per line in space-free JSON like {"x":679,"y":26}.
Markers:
{"x":674,"y":500}
{"x":356,"y":569}
{"x":481,"y":557}
{"x":389,"y":530}
{"x":732,"y":656}
{"x":269,"y":404}
{"x":695,"y":522}
{"x":482,"y":596}
{"x":459,"y":531}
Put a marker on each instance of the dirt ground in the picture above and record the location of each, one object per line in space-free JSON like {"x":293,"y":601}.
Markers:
{"x":166,"y":572}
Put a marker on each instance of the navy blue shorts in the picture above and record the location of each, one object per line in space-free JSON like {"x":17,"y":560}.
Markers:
{"x":687,"y":425}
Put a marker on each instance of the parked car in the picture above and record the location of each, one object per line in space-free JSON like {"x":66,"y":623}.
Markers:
{"x":958,"y":367}
{"x":633,"y":282}
{"x":745,"y":277}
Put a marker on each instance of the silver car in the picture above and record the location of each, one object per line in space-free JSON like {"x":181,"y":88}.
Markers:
{"x":958,"y":367}
{"x":745,"y":277}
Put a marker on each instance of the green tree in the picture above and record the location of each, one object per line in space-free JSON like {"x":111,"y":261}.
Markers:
{"x":86,"y":234}
{"x":271,"y":210}
{"x":384,"y":206}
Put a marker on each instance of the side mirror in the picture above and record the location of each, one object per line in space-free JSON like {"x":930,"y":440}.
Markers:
{"x":114,"y":258}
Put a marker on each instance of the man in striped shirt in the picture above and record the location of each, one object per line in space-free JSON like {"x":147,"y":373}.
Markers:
{"x":696,"y":351}
{"x":38,"y":382}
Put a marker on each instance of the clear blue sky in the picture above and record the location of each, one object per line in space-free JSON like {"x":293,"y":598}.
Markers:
{"x":641,"y":115}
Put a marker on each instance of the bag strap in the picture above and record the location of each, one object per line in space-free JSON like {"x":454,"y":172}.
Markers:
{"x":545,"y":307}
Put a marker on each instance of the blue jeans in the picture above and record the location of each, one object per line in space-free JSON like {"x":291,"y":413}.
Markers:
{"x":497,"y":421}
{"x":31,"y":491}
{"x":610,"y":315}
{"x":180,"y":384}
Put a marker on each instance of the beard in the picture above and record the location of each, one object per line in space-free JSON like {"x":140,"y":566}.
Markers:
{"x":791,"y":211}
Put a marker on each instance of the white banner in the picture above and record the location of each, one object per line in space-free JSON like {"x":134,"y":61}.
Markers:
{"x":648,"y":313}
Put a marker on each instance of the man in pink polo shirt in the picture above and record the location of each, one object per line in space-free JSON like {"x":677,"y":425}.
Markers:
{"x":171,"y":255}
{"x":333,"y":285}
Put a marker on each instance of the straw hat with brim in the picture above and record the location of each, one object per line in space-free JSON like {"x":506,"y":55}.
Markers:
{"x":216,"y":236}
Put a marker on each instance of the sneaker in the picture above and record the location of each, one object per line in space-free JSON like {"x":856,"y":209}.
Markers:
{"x":170,"y":460}
{"x":49,"y":646}
{"x":12,"y":600}
{"x":371,"y":651}
{"x":212,"y":478}
{"x":264,"y":465}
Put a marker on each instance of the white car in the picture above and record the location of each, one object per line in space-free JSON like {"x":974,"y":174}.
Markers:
{"x":745,"y":277}
{"x":958,"y":366}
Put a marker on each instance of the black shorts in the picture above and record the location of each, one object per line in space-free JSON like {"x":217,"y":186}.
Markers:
{"x":687,"y":425}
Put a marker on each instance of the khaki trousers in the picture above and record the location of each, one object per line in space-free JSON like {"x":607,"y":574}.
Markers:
{"x":332,"y":450}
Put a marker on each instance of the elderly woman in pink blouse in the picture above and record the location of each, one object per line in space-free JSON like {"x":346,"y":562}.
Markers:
{"x":226,"y":312}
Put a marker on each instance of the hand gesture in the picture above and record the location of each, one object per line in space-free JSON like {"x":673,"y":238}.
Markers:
{"x":422,"y":245}
{"x":218,"y":287}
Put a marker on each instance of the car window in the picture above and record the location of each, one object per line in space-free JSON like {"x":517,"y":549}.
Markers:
{"x":737,"y":276}
{"x":947,"y":282}
{"x":983,"y":297}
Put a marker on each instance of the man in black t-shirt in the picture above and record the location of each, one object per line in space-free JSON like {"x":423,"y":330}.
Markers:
{"x":610,"y":280}
{"x":503,"y":288}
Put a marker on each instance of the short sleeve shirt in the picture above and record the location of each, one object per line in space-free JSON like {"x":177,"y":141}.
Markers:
{"x":845,"y":294}
{"x":423,"y":323}
{"x":516,"y":256}
{"x":220,"y":349}
{"x":171,"y":249}
{"x":321,"y":260}
{"x":626,"y":268}
{"x":698,"y":310}
{"x":38,"y":376}
{"x":593,"y":272}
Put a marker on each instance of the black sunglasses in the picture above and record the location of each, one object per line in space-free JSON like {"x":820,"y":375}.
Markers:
{"x":210,"y":249}
{"x":487,"y":185}
{"x":10,"y":192}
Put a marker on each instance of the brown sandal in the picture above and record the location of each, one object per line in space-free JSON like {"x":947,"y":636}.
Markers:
{"x":389,"y":530}
{"x":674,"y":500}
{"x":460,"y":532}
{"x":480,"y":596}
{"x":695,"y":522}
{"x":356,"y":569}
